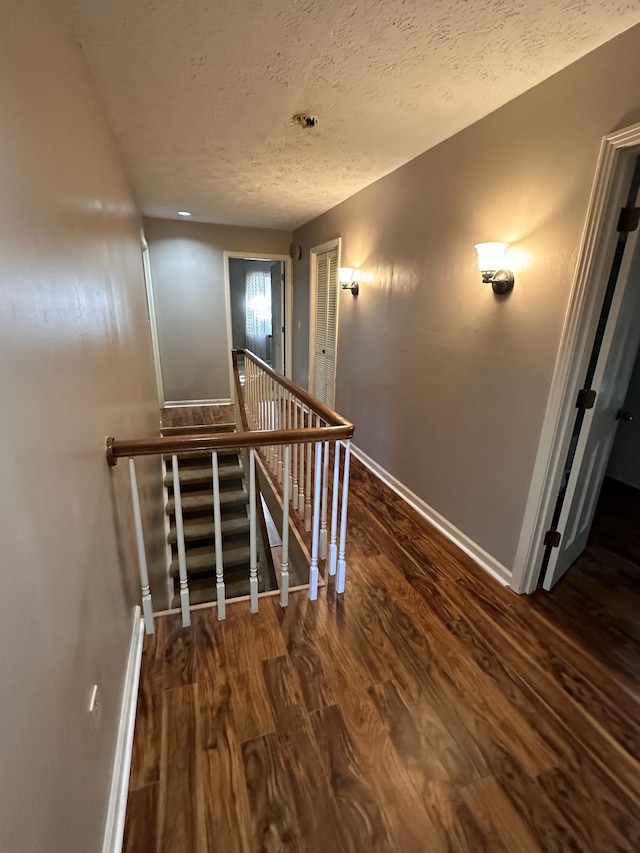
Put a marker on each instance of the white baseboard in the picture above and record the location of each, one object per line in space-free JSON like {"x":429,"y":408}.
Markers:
{"x":182,"y":404}
{"x":481,"y":557}
{"x":114,"y":827}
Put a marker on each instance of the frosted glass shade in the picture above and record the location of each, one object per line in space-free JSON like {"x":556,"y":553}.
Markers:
{"x":490,"y":255}
{"x":345,"y":274}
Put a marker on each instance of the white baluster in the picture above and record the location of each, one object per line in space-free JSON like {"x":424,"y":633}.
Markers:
{"x":257,"y":399}
{"x":182,"y":559}
{"x":265,"y":400}
{"x":301,"y":453}
{"x":255,"y":395}
{"x":307,"y":501}
{"x":272,"y":425}
{"x":217,"y":526}
{"x":289,"y":426}
{"x":147,"y":607}
{"x":248,"y":391}
{"x":325,"y":496}
{"x":333,"y":546}
{"x":259,"y":396}
{"x":284,"y":578}
{"x":279,"y":423}
{"x":294,"y":466}
{"x":342,"y":565}
{"x":253,"y":559}
{"x":315,"y":536}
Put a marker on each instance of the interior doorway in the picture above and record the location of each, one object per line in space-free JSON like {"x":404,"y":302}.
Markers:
{"x":600,"y":410}
{"x":594,"y":364}
{"x":258,"y":298}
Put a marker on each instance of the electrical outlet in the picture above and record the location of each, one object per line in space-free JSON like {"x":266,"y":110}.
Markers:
{"x":95,"y":708}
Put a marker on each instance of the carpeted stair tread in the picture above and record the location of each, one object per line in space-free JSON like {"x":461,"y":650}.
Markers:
{"x":205,"y":474}
{"x":205,"y":530}
{"x":204,"y":559}
{"x":195,"y":503}
{"x":199,"y":456}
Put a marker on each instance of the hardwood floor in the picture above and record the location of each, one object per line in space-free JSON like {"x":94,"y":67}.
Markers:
{"x":428,"y":709}
{"x":187,"y":416}
{"x":597,"y":603}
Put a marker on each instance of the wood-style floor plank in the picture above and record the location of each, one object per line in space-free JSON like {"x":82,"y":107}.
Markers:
{"x":226,"y":807}
{"x":140,"y":834}
{"x":179,"y":658}
{"x":145,"y":762}
{"x":273,"y":815}
{"x":297,"y":742}
{"x":498,"y":820}
{"x":362,"y":824}
{"x":427,"y":709}
{"x":181,"y":792}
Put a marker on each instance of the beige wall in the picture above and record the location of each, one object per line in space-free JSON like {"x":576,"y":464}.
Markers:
{"x":75,"y":365}
{"x":461,"y":377}
{"x":187,"y":269}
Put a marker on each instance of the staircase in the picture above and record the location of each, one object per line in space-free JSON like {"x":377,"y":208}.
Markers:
{"x":196,"y":488}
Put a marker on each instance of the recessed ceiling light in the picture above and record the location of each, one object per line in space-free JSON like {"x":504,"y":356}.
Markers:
{"x":183,"y":213}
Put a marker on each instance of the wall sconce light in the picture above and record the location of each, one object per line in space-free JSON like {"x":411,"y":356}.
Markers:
{"x":489,"y":260}
{"x":346,"y":274}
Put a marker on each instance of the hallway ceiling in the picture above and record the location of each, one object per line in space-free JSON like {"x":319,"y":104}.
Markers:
{"x":201,"y":94}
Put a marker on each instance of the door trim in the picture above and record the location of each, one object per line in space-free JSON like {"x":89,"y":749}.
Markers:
{"x":613,"y":175}
{"x":288,"y":306}
{"x":153,"y":323}
{"x":336,"y":243}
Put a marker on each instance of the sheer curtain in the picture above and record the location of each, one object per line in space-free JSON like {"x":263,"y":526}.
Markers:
{"x":258,"y":311}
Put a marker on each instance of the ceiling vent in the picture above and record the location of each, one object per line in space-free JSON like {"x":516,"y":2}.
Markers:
{"x":305,"y":120}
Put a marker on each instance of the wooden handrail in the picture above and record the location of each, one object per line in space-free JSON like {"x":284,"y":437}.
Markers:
{"x":340,"y":429}
{"x":121,"y":448}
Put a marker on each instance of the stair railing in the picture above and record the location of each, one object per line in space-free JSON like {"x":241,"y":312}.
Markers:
{"x":295,"y":435}
{"x":300,"y":466}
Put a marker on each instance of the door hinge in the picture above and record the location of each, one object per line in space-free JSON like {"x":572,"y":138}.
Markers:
{"x":552,"y":538}
{"x":629,"y":219}
{"x":586,"y":398}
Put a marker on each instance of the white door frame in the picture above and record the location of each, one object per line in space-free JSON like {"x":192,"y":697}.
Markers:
{"x":148,"y":283}
{"x":336,"y":243}
{"x":288,"y":305}
{"x":609,"y":193}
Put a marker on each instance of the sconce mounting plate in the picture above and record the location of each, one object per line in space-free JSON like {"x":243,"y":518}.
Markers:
{"x":354,"y":287}
{"x":502,"y":282}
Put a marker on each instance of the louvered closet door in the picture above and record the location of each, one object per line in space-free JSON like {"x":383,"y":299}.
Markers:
{"x":326,"y":326}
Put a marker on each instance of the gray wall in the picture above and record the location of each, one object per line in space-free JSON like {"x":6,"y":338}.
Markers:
{"x":624,"y":464}
{"x":187,"y":268}
{"x":75,"y":366}
{"x":446,"y":383}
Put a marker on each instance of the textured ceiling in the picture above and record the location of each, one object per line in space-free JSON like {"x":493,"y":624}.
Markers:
{"x":200,"y":94}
